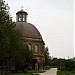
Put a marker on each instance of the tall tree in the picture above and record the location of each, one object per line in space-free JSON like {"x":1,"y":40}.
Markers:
{"x":46,"y":53}
{"x":6,"y":29}
{"x":13,"y":50}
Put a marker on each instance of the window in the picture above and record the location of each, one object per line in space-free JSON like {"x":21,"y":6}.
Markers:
{"x":36,"y":48}
{"x":23,"y":17}
{"x":16,"y":17}
{"x":29,"y":46}
{"x":20,"y":17}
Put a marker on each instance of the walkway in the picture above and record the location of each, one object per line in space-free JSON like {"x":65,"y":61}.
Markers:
{"x":52,"y":71}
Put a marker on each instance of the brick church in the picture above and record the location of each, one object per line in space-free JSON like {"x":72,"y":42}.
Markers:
{"x":33,"y":39}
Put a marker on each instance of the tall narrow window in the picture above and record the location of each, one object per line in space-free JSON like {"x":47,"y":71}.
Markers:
{"x":20,"y":17}
{"x":29,"y":46}
{"x":23,"y":17}
{"x":36,"y":48}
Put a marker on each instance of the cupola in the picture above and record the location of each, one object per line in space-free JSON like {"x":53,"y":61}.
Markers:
{"x":21,"y":16}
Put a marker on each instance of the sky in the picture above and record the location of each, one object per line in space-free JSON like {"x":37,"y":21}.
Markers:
{"x":55,"y":21}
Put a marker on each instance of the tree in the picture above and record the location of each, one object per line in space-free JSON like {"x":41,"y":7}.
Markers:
{"x":7,"y":27}
{"x":13,"y":50}
{"x":69,"y":65}
{"x":46,"y":53}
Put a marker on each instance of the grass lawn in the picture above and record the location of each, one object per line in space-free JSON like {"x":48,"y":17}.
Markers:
{"x":65,"y":73}
{"x":22,"y":74}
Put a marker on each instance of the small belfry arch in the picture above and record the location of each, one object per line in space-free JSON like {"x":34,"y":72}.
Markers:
{"x":21,"y":16}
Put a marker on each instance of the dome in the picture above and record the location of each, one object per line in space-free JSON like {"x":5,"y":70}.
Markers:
{"x":22,"y":11}
{"x":28,"y":30}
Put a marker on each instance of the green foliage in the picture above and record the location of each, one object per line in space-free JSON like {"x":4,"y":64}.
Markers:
{"x":7,"y":27}
{"x":70,"y":65}
{"x":13,"y":50}
{"x":63,"y":64}
{"x":65,"y":73}
{"x":46,"y":53}
{"x":54,"y":62}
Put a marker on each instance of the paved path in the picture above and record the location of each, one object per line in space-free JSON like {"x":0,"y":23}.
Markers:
{"x":52,"y":71}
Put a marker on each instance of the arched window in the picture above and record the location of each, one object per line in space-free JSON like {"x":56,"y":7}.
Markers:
{"x":23,"y":17}
{"x":20,"y":17}
{"x":30,"y":47}
{"x":36,"y":48}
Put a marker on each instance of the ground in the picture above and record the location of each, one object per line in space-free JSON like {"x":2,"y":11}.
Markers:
{"x":65,"y":73}
{"x":22,"y":74}
{"x":52,"y":71}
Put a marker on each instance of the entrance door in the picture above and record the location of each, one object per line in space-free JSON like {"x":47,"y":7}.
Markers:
{"x":43,"y":64}
{"x":38,"y":65}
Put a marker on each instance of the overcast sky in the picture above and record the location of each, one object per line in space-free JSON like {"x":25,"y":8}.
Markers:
{"x":55,"y":21}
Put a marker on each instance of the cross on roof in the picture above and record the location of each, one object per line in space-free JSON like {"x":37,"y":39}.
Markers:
{"x":22,"y":8}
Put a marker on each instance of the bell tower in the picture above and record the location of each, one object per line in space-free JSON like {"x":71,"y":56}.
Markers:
{"x":21,"y":16}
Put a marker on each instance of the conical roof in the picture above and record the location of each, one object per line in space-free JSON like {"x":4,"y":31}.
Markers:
{"x":22,"y":11}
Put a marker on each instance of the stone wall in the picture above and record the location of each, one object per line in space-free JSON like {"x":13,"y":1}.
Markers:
{"x":39,"y":55}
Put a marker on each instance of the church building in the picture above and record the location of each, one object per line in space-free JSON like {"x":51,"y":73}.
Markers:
{"x":33,"y":39}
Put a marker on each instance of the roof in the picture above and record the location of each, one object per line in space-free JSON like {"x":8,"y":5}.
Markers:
{"x":28,"y":30}
{"x":22,"y":11}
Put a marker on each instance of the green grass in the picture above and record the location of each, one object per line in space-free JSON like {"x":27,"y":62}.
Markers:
{"x":22,"y":74}
{"x":65,"y":73}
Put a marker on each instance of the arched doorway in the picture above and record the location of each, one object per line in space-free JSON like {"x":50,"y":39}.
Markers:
{"x":35,"y":64}
{"x":38,"y":65}
{"x":43,"y":64}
